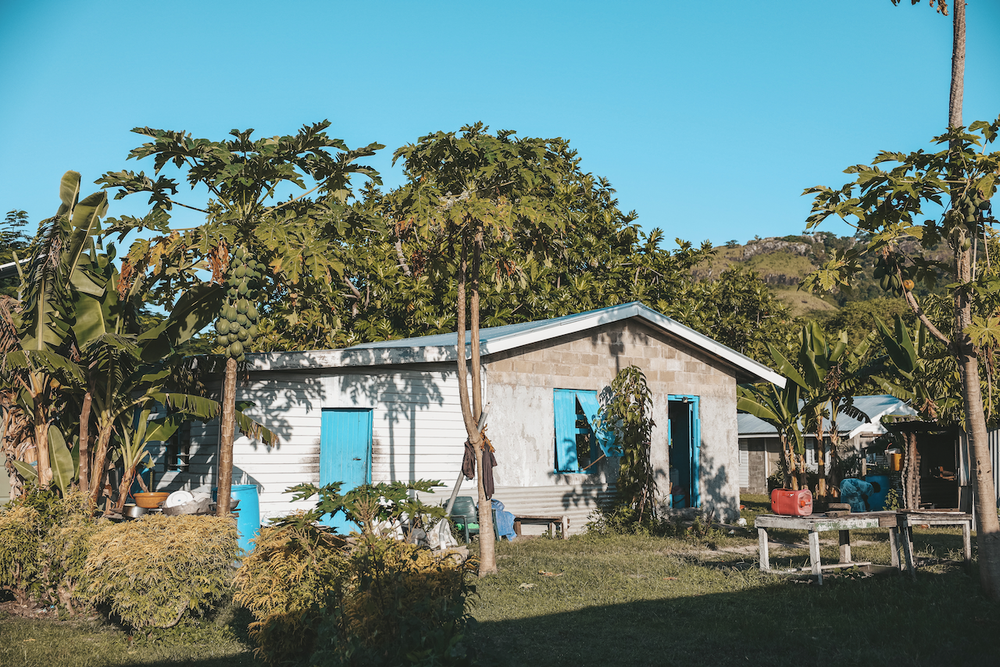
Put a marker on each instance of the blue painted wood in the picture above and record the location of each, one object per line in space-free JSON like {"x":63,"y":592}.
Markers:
{"x":345,"y":454}
{"x":564,"y":406}
{"x":685,"y":438}
{"x":592,"y":409}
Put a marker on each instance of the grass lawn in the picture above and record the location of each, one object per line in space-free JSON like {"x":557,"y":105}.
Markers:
{"x":637,"y":600}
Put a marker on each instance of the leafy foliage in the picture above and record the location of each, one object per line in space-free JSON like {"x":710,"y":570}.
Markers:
{"x":372,"y":601}
{"x":151,"y":571}
{"x":44,"y":541}
{"x":627,"y":415}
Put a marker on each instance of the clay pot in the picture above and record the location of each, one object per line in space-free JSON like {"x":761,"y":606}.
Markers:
{"x":150,"y":500}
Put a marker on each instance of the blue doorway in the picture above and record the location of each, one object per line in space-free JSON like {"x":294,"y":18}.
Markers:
{"x":345,"y":454}
{"x":684,"y":432}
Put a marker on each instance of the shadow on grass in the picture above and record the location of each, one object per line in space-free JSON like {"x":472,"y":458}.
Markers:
{"x":939,"y":619}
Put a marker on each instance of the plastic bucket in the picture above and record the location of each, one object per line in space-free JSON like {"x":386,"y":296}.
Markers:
{"x":248,"y":521}
{"x":877,"y":500}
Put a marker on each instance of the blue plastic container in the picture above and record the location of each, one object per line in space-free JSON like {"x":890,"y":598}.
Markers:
{"x":248,"y":522}
{"x":877,"y":500}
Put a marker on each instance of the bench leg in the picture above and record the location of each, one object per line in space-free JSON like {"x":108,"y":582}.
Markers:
{"x":967,"y":542}
{"x":765,"y":561}
{"x":565,"y":527}
{"x":845,"y":546}
{"x":894,"y":547}
{"x":911,"y":561}
{"x":817,"y":568}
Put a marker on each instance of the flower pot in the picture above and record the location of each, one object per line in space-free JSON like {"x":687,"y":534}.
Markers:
{"x":150,"y":500}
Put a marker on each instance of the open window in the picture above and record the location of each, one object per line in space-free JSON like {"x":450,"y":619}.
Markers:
{"x":578,"y":448}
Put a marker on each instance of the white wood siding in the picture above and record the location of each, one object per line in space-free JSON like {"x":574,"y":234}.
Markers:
{"x":417,"y":430}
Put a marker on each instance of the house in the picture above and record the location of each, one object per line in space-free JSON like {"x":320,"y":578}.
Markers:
{"x":760,"y":447}
{"x":390,"y":411}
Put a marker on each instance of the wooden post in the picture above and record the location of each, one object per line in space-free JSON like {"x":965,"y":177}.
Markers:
{"x":845,"y":546}
{"x":817,"y":568}
{"x":765,"y":560}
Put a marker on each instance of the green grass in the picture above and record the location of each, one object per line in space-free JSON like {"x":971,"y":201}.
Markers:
{"x":638,"y":600}
{"x":91,"y":643}
{"x":663,"y":601}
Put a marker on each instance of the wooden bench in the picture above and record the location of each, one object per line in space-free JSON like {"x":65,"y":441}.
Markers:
{"x":907,"y":519}
{"x":551,"y":521}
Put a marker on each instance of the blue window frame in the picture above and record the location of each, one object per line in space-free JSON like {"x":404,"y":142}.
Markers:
{"x":577,"y":446}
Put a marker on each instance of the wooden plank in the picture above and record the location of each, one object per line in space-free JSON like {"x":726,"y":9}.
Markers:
{"x":845,"y":546}
{"x":765,"y":561}
{"x":816,"y":523}
{"x":894,"y":547}
{"x":814,"y":560}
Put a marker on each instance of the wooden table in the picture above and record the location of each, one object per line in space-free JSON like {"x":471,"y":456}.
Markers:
{"x":907,"y":519}
{"x":818,"y":523}
{"x":551,"y":521}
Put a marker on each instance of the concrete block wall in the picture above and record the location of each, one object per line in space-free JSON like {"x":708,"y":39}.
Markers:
{"x":519,"y":385}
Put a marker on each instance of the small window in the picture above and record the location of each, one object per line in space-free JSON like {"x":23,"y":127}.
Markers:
{"x":179,"y":448}
{"x":577,"y":447}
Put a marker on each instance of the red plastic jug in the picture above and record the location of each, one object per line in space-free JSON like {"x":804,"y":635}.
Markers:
{"x":792,"y":503}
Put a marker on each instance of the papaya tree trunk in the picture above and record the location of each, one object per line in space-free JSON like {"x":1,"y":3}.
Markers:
{"x":227,"y":429}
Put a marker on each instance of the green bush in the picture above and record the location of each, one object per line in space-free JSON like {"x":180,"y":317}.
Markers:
{"x":44,"y":542}
{"x":286,"y":583}
{"x":152,"y":571}
{"x":369,"y":601}
{"x":402,"y":606}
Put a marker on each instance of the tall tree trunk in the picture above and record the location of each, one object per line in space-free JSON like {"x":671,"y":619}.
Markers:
{"x":85,"y":443}
{"x":227,"y":428}
{"x":820,"y":446}
{"x":487,"y":556}
{"x":987,"y":524}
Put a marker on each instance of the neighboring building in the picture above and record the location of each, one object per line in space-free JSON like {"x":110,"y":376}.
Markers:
{"x":760,"y":448}
{"x":390,"y":411}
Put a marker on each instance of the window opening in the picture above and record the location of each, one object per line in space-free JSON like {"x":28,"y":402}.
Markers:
{"x":577,"y":448}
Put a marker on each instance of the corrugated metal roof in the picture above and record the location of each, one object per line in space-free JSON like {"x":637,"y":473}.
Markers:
{"x":443,"y":347}
{"x":874,"y":406}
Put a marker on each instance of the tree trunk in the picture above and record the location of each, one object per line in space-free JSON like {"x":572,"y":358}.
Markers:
{"x":987,"y":524}
{"x":100,"y":463}
{"x":487,"y":553}
{"x":820,"y":446}
{"x":85,"y":443}
{"x":123,"y":489}
{"x":42,"y":442}
{"x":227,"y":428}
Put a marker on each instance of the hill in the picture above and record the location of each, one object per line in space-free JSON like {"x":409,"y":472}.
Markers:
{"x":782,"y":262}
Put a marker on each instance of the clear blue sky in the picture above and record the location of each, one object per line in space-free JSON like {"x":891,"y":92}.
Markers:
{"x":709,"y":118}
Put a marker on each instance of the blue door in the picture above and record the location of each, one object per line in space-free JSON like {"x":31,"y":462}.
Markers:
{"x":345,"y":454}
{"x":684,"y":432}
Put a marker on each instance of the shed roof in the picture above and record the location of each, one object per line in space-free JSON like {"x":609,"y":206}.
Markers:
{"x":443,"y":347}
{"x":875,"y":407}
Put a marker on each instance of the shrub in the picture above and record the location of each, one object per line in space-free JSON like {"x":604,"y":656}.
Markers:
{"x":286,"y":583}
{"x":149,"y":572}
{"x":20,"y":552}
{"x":403,"y":606}
{"x":369,"y":601}
{"x":44,"y":541}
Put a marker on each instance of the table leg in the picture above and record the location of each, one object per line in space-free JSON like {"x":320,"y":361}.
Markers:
{"x":845,"y":546}
{"x":911,"y":561}
{"x":817,"y":570}
{"x":894,"y":547}
{"x":967,"y":542}
{"x":765,"y":561}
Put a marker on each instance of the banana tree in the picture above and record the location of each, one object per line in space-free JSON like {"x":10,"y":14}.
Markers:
{"x":830,"y":376}
{"x":39,"y":356}
{"x":778,"y":406}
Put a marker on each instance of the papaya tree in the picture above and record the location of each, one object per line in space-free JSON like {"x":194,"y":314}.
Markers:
{"x":296,"y":240}
{"x":466,"y":193}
